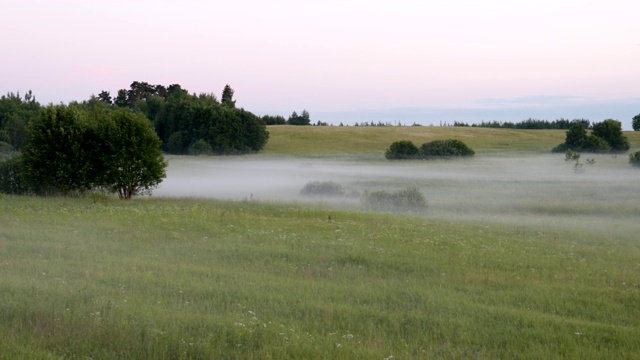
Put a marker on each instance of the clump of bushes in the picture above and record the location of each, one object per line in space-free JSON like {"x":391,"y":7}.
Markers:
{"x":403,"y":200}
{"x":322,"y":188}
{"x":402,"y":150}
{"x":605,"y":136}
{"x":634,"y":159}
{"x":449,"y":147}
{"x":405,"y":149}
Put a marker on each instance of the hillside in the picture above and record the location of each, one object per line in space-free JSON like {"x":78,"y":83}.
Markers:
{"x":328,"y":140}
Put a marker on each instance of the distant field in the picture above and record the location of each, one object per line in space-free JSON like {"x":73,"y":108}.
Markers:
{"x":327,"y":140}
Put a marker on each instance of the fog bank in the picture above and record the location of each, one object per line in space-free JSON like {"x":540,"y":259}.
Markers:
{"x":509,"y":185}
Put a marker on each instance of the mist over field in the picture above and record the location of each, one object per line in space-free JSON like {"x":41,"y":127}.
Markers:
{"x":541,"y":189}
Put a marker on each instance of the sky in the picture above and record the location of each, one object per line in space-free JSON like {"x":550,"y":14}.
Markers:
{"x":342,"y":60}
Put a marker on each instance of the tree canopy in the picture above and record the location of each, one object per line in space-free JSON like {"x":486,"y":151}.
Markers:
{"x":445,"y":148}
{"x":610,"y":130}
{"x":85,"y":146}
{"x":605,"y":136}
{"x":61,"y":153}
{"x":302,"y":119}
{"x":130,"y":153}
{"x":16,"y":112}
{"x":188,"y":122}
{"x":402,"y":150}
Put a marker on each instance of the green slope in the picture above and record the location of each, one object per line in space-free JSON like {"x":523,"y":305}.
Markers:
{"x":334,"y":140}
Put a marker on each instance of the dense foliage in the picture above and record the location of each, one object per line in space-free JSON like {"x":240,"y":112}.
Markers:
{"x":273,"y":120}
{"x":611,"y":131}
{"x":16,"y":113}
{"x":635,"y":123}
{"x":405,"y":149}
{"x":88,"y":146}
{"x":194,"y":124}
{"x":444,"y":148}
{"x":12,"y":176}
{"x":605,"y":136}
{"x":62,"y":150}
{"x":130,"y":156}
{"x":402,"y":150}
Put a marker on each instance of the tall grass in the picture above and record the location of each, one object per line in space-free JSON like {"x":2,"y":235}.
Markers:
{"x":190,"y":279}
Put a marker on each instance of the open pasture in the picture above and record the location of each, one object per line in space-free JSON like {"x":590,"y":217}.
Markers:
{"x":371,"y":141}
{"x":516,"y":256}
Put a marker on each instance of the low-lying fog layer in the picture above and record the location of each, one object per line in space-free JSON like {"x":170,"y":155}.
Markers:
{"x":514,"y":185}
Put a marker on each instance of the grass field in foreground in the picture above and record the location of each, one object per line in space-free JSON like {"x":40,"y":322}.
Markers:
{"x":190,"y":279}
{"x":319,"y":140}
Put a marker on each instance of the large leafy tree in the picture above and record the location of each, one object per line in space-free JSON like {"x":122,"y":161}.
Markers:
{"x":61,"y":152}
{"x":131,"y":157}
{"x":90,"y":145}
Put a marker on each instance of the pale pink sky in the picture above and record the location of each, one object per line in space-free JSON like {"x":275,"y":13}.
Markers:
{"x":330,"y":55}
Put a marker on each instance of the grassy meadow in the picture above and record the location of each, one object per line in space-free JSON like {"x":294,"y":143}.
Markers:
{"x":360,"y":140}
{"x":548,"y":267}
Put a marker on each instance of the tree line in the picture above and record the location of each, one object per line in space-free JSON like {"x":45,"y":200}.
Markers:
{"x":294,"y":119}
{"x":85,"y":146}
{"x":193,"y":124}
{"x":528,"y":124}
{"x":115,"y":144}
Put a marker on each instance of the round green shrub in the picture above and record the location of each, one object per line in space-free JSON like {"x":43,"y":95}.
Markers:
{"x":445,"y":148}
{"x":402,"y":150}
